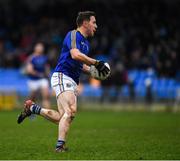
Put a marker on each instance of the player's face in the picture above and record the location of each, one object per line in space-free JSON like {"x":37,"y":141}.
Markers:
{"x":91,"y":26}
{"x":39,"y":48}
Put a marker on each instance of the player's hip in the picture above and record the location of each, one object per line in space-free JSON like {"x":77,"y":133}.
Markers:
{"x":61,"y":82}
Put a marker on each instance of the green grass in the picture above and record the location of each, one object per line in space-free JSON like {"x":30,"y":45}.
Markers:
{"x":94,"y":135}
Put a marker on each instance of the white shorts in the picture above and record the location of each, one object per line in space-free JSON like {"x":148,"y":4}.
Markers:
{"x":38,"y":84}
{"x":61,"y":82}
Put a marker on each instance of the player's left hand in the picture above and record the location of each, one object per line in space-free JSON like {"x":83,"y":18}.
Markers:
{"x":102,"y":68}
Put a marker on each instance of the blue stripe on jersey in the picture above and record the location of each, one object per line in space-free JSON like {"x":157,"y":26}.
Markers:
{"x":67,"y":65}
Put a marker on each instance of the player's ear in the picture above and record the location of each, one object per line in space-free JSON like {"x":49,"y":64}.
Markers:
{"x":85,"y":23}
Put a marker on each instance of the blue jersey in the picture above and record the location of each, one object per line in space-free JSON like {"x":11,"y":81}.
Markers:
{"x":39,"y":63}
{"x":67,"y":65}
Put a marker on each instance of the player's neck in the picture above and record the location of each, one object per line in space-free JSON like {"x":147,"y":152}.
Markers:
{"x":82,"y":31}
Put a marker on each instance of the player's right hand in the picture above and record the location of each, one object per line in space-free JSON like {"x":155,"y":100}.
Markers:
{"x":102,"y":68}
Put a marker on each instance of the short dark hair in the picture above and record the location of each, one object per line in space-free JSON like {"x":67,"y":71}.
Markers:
{"x":83,"y":16}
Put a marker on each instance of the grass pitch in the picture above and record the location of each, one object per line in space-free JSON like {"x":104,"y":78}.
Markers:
{"x":93,"y":135}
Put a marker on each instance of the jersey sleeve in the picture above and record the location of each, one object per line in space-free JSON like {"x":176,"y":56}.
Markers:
{"x":73,"y":40}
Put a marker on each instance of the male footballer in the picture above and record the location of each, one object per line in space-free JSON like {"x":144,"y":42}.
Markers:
{"x":72,"y":61}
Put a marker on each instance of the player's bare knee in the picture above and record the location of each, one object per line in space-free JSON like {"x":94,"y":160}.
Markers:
{"x":69,"y":116}
{"x":66,"y":116}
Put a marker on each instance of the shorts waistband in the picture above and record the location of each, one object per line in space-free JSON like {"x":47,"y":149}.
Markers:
{"x":56,"y":74}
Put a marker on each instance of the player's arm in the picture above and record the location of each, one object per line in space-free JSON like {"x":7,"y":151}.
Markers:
{"x":100,"y":65}
{"x":74,"y":44}
{"x":86,"y":69}
{"x":77,"y":55}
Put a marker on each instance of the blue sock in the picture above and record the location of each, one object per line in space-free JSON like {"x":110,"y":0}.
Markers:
{"x":60,"y":143}
{"x":36,"y":109}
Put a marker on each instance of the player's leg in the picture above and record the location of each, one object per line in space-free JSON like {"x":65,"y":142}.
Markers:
{"x":45,"y":93}
{"x":32,"y":108}
{"x":53,"y":115}
{"x":68,"y":101}
{"x":49,"y":114}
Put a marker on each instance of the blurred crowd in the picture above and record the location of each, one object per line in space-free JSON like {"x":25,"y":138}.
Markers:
{"x":131,"y":35}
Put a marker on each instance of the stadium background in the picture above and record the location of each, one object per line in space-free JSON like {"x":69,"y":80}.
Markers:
{"x":140,"y":39}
